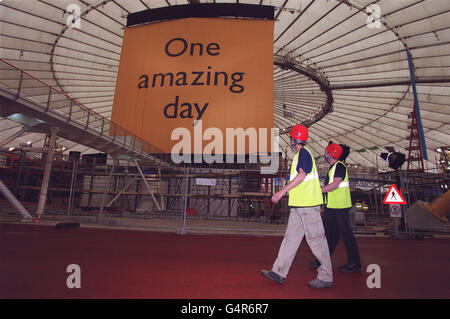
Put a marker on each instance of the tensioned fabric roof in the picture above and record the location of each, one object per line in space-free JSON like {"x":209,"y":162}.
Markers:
{"x":361,"y":58}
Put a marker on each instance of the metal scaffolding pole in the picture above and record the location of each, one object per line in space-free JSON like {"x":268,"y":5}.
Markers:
{"x":47,"y":171}
{"x":160,"y":189}
{"x":14,"y":136}
{"x":187,"y":183}
{"x":13,"y":200}
{"x":182,"y":230}
{"x":147,"y":185}
{"x":115,"y":162}
{"x":123,"y":190}
{"x":75,"y":159}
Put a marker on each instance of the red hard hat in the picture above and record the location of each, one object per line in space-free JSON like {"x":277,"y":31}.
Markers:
{"x":299,"y":132}
{"x":335,"y":150}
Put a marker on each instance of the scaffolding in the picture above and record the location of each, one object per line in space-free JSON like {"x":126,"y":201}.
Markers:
{"x":117,"y":188}
{"x":415,"y":148}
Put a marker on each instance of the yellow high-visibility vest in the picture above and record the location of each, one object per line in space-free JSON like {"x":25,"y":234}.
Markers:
{"x":308,"y":192}
{"x":340,"y":197}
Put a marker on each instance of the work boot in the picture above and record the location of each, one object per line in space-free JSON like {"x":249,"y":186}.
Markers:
{"x":314,"y":264}
{"x":317,"y":283}
{"x":350,"y":268}
{"x":273,"y":276}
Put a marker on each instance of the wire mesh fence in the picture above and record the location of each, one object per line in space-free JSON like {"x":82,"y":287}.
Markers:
{"x":216,"y":199}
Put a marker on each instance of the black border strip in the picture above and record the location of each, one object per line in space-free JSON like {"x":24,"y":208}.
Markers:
{"x":203,"y":10}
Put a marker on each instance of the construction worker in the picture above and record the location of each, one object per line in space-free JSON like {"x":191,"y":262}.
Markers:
{"x":336,"y":215}
{"x":305,"y":199}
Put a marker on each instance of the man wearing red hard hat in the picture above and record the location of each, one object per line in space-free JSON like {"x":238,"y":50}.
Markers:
{"x":338,"y":203}
{"x":305,"y":198}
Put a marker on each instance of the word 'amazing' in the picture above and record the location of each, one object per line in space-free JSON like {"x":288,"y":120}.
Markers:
{"x":179,"y":46}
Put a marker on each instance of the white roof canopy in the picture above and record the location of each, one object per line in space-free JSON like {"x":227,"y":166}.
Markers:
{"x":362,"y":59}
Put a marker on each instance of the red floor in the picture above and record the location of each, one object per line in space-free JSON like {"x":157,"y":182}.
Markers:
{"x":152,"y":265}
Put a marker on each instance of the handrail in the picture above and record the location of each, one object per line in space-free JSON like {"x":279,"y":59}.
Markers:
{"x":52,"y":88}
{"x":285,"y":61}
{"x":105,"y":121}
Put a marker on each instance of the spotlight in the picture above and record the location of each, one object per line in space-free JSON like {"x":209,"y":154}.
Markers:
{"x":394,"y":159}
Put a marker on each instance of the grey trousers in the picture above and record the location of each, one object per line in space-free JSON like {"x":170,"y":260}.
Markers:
{"x":304,"y":221}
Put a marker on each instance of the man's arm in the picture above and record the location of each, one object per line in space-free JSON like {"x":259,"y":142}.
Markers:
{"x":332,"y":186}
{"x":296,"y":181}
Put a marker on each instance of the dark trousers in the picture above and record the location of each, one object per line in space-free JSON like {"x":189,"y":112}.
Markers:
{"x":336,"y":224}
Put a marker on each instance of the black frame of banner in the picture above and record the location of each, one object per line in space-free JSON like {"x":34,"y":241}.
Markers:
{"x":202,"y":10}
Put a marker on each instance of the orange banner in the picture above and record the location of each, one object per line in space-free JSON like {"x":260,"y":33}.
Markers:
{"x":173,"y":74}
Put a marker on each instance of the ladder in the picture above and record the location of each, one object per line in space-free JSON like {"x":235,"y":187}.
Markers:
{"x":415,"y":148}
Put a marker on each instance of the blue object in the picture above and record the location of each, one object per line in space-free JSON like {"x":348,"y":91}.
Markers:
{"x":416,"y":106}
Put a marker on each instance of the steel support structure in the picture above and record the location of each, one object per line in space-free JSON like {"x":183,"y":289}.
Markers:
{"x":13,"y":200}
{"x":416,"y":105}
{"x":47,"y":170}
{"x":147,"y":185}
{"x":11,"y":138}
{"x":105,"y":191}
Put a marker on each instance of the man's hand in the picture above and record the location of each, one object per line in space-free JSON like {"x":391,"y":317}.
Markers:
{"x":332,"y":186}
{"x":296,"y":181}
{"x":277,"y":196}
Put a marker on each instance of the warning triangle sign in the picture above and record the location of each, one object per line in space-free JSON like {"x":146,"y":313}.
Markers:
{"x":393,"y":196}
